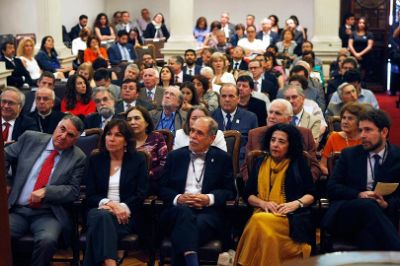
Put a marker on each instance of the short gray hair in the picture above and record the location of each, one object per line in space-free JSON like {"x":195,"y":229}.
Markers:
{"x":76,"y":121}
{"x":207,"y":70}
{"x":53,"y":94}
{"x":212,"y":125}
{"x":18,"y":92}
{"x":342,"y":86}
{"x":288,"y":106}
{"x":103,"y":89}
{"x":298,"y":89}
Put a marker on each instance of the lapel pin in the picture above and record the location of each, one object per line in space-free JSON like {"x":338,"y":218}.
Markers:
{"x":212,"y":160}
{"x":237,"y":121}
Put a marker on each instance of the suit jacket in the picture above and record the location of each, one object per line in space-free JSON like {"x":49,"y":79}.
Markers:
{"x":218,"y":176}
{"x":257,"y":107}
{"x":49,"y":123}
{"x":350,"y":178}
{"x":255,"y":142}
{"x":242,"y":66}
{"x":119,"y":107}
{"x":180,"y":118}
{"x":63,"y":187}
{"x":23,"y":123}
{"x":133,"y":180}
{"x":158,"y":96}
{"x":150,"y":31}
{"x":30,"y":98}
{"x":114,"y":54}
{"x":311,"y":122}
{"x":94,"y":120}
{"x":273,"y":36}
{"x":243,"y":121}
{"x":270,"y":85}
{"x":74,"y":33}
{"x":197,"y":69}
{"x":19,"y":74}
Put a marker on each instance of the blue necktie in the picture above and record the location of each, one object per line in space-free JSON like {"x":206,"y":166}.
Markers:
{"x":294,"y":120}
{"x":228,"y":125}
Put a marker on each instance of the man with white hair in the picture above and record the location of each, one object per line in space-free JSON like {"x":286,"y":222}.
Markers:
{"x":170,"y":117}
{"x":105,"y":105}
{"x":227,"y":27}
{"x":266,"y":35}
{"x":281,"y":111}
{"x":150,"y":92}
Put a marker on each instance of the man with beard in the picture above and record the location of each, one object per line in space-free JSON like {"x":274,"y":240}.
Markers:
{"x":105,"y":104}
{"x":121,"y":50}
{"x":191,"y":68}
{"x":357,"y":209}
{"x":170,"y":117}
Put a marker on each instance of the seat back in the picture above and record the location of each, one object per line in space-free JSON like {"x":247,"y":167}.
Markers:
{"x":158,"y":44}
{"x":252,"y":156}
{"x":232,"y":139}
{"x":20,"y":36}
{"x":59,"y":89}
{"x":168,"y":137}
{"x":334,"y":123}
{"x":90,"y":140}
{"x":141,"y":50}
{"x":332,"y":159}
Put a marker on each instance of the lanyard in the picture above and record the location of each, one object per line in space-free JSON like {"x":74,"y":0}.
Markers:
{"x":198,"y":180}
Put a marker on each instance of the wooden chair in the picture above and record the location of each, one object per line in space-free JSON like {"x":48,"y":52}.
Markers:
{"x":59,"y":89}
{"x":20,"y":36}
{"x":158,"y":44}
{"x":168,"y":137}
{"x":334,"y":123}
{"x":141,"y":50}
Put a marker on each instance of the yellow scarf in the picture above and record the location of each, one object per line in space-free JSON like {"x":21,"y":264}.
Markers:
{"x":271,"y":180}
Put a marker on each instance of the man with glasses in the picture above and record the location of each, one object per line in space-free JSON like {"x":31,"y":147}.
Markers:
{"x":13,"y":122}
{"x":250,"y":44}
{"x":105,"y":105}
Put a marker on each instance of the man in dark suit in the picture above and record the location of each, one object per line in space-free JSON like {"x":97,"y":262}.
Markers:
{"x":46,"y":118}
{"x":121,"y":50}
{"x":20,"y":76}
{"x":74,"y":33}
{"x":105,"y":104}
{"x":129,"y":97}
{"x":196,"y":183}
{"x":281,"y":111}
{"x":13,"y":122}
{"x":230,"y":116}
{"x":264,"y":81}
{"x":250,"y":103}
{"x":266,"y":35}
{"x":356,"y":209}
{"x":38,"y":193}
{"x":237,"y":59}
{"x":176,"y":64}
{"x":191,"y":68}
{"x":347,"y":28}
{"x":150,"y":92}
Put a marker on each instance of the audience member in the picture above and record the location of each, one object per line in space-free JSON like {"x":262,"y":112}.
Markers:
{"x":79,"y":44}
{"x":149,"y":141}
{"x":292,"y":24}
{"x":121,"y":50}
{"x":157,"y":28}
{"x":205,"y":57}
{"x":347,"y":64}
{"x":266,"y":35}
{"x":227,"y":27}
{"x":103,"y":31}
{"x":130,"y":97}
{"x":94,"y":50}
{"x":126,"y":24}
{"x":239,"y":34}
{"x":347,"y":93}
{"x":116,"y":185}
{"x":204,"y":91}
{"x":237,"y":59}
{"x":346,"y":29}
{"x":176,"y":64}
{"x":105,"y":106}
{"x":102,"y":79}
{"x":221,"y":76}
{"x":86,"y":70}
{"x":150,"y":92}
{"x":26,"y":52}
{"x":48,"y":173}
{"x":74,"y":33}
{"x":144,"y":19}
{"x":351,"y":188}
{"x":250,"y":44}
{"x":274,"y":23}
{"x":222,"y":45}
{"x":272,"y":67}
{"x":211,"y":38}
{"x":190,"y":97}
{"x":280,"y":184}
{"x":200,"y":30}
{"x":286,"y":48}
{"x":190,"y":67}
{"x":196,"y":183}
{"x":167,"y":77}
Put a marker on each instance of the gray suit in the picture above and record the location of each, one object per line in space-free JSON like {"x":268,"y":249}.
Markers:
{"x":313,"y":123}
{"x":63,"y":188}
{"x":158,"y":96}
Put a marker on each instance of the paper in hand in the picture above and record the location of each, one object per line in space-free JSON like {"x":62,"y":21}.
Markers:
{"x":385,"y":189}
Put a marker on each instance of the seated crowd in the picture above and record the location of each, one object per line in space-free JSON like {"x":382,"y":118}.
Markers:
{"x":268,"y":85}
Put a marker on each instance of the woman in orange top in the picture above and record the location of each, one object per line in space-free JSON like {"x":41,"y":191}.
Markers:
{"x":94,"y":50}
{"x":349,"y":136}
{"x":78,"y":97}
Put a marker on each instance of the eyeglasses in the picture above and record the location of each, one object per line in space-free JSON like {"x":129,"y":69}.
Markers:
{"x":44,"y":98}
{"x":10,"y":103}
{"x":98,"y":100}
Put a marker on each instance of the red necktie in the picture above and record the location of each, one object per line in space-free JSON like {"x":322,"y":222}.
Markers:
{"x":44,"y":174}
{"x":5,"y":131}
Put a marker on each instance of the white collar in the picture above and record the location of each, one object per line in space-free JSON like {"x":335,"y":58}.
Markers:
{"x":11,"y":122}
{"x":232,"y":114}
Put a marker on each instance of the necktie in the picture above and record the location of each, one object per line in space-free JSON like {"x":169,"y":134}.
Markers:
{"x":126,"y":53}
{"x":294,"y":120}
{"x":128,"y":106}
{"x":195,"y":156}
{"x":6,"y":130}
{"x":236,"y":65}
{"x":376,"y":167}
{"x":150,"y":96}
{"x":190,"y":72}
{"x":44,"y":174}
{"x":256,"y":85}
{"x":176,"y":79}
{"x":228,"y":125}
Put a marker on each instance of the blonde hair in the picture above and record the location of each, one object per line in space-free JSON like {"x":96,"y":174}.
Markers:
{"x":215,"y":56}
{"x":21,"y":45}
{"x":88,"y":67}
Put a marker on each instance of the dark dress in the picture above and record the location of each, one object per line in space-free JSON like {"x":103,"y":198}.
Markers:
{"x":360,"y":42}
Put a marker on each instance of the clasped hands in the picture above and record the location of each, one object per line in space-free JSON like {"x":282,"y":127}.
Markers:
{"x":282,"y":209}
{"x":120,"y":212}
{"x":194,"y":200}
{"x":372,"y":195}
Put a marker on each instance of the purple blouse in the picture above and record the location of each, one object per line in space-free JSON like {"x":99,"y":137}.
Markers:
{"x":157,"y":147}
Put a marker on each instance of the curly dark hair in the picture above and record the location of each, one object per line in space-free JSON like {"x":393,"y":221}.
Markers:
{"x":97,"y":21}
{"x":146,"y":116}
{"x":70,"y":92}
{"x":125,"y":130}
{"x":295,"y":139}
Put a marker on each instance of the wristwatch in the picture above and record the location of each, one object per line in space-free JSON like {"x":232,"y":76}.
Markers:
{"x":300,"y":203}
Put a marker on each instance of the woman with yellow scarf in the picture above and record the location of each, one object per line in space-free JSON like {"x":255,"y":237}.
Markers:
{"x":280,"y":189}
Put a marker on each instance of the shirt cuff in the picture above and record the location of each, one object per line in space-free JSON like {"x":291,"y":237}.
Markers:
{"x":123,"y":205}
{"x":104,"y":202}
{"x":212,"y":199}
{"x":175,"y":202}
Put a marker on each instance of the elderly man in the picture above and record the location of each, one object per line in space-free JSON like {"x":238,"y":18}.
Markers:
{"x":227,"y":27}
{"x":48,"y":171}
{"x":281,"y":111}
{"x":295,"y":95}
{"x":129,"y":97}
{"x":105,"y":105}
{"x":358,"y":208}
{"x":46,"y":118}
{"x":196,"y":183}
{"x":170,"y":117}
{"x":237,"y":59}
{"x":150,"y":92}
{"x":347,"y":94}
{"x":13,"y":122}
{"x":266,"y":35}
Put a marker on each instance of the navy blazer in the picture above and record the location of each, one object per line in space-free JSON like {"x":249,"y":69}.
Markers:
{"x":19,"y":74}
{"x":30,"y":98}
{"x":197,"y":69}
{"x":133,"y":180}
{"x":259,"y":108}
{"x":350,"y":178}
{"x":22,"y":124}
{"x":150,"y":31}
{"x":74,"y":33}
{"x":114,"y":54}
{"x":242,"y":66}
{"x":273,"y":36}
{"x":119,"y":106}
{"x":218,"y":176}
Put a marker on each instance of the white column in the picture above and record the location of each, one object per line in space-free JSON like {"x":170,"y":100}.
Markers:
{"x":326,"y":27}
{"x":181,"y":28}
{"x":49,"y":23}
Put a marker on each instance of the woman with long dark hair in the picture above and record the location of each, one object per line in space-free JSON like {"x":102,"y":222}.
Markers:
{"x":102,"y":29}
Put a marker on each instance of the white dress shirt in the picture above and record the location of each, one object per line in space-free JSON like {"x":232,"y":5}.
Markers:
{"x":10,"y":129}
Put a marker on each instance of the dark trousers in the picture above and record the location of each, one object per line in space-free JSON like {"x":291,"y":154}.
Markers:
{"x":366,"y":221}
{"x":190,"y":228}
{"x":44,"y":227}
{"x":102,"y":236}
